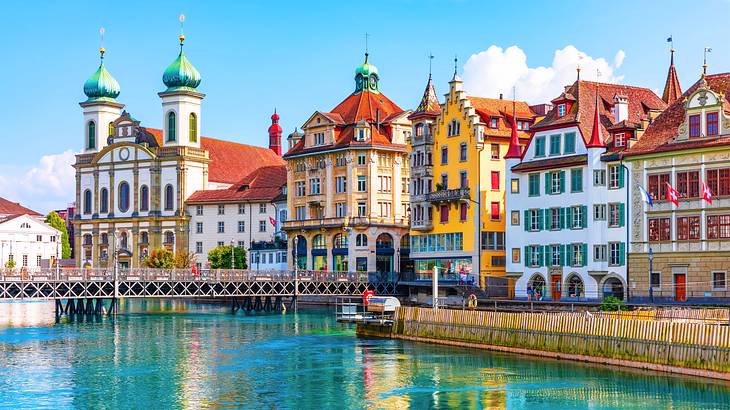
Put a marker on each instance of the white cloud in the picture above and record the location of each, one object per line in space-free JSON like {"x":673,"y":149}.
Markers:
{"x":50,"y":184}
{"x":496,"y":70}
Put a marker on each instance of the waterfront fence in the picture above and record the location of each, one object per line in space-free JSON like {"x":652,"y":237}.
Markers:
{"x":701,"y":346}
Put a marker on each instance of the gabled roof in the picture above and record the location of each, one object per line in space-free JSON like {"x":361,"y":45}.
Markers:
{"x":263,"y":184}
{"x":230,"y":161}
{"x":660,"y":135}
{"x":640,"y":100}
{"x":13,"y":208}
{"x":487,"y":108}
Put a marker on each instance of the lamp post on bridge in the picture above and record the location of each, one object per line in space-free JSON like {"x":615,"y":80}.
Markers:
{"x":233,"y":256}
{"x":651,"y":271}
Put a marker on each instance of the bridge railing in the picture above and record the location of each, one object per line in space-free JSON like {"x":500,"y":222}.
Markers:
{"x":209,"y":275}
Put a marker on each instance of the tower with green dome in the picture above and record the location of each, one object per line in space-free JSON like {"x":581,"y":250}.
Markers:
{"x":181,"y":102}
{"x":100,"y":108}
{"x":366,"y":77}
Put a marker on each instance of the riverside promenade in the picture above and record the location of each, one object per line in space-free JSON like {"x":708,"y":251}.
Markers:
{"x":689,"y":347}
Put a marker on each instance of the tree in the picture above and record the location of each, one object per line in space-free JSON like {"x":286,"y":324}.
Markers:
{"x":184,"y":260}
{"x":10,"y":264}
{"x":55,"y":221}
{"x":160,"y":258}
{"x":220,"y":257}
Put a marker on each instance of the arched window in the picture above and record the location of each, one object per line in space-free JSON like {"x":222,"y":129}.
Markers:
{"x":111,"y":129}
{"x":193,"y":127}
{"x":87,"y":201}
{"x":405,"y":242}
{"x":319,"y":242}
{"x":123,"y":240}
{"x":123,"y":196}
{"x":169,"y":237}
{"x":91,"y":135}
{"x":169,"y":199}
{"x":575,"y":287}
{"x":171,"y":126}
{"x":104,"y":239}
{"x":87,"y":239}
{"x":104,"y":201}
{"x":339,"y":241}
{"x":144,"y":237}
{"x":384,"y":241}
{"x":144,"y":198}
{"x":361,"y":240}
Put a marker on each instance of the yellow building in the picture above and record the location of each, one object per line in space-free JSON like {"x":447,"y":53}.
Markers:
{"x":470,"y":139}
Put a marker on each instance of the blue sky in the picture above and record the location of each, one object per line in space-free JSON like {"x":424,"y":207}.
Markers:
{"x":300,"y":57}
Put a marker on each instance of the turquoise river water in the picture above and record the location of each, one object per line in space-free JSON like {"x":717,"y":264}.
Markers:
{"x":162,"y":354}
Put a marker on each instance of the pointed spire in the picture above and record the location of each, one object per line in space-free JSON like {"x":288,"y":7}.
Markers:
{"x":672,"y":89}
{"x":596,"y":140}
{"x":429,"y":102}
{"x":514,"y":151}
{"x":456,"y":73}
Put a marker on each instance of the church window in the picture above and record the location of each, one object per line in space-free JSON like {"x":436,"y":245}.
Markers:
{"x":87,"y":202}
{"x":144,"y":198}
{"x":91,"y":135}
{"x":193,"y":127}
{"x":111,"y":129}
{"x":123,"y":197}
{"x":104,"y":199}
{"x":171,"y":126}
{"x":169,"y":199}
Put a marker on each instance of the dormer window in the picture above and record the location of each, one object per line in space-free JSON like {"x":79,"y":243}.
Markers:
{"x":561,"y":110}
{"x":318,"y":138}
{"x":361,"y":135}
{"x":694,"y":126}
{"x":493,"y":122}
{"x":362,"y":130}
{"x":619,"y":139}
{"x":712,"y":123}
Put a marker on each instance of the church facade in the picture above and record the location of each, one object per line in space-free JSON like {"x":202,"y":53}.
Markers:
{"x":132,"y":182}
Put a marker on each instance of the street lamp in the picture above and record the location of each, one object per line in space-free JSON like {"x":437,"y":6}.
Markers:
{"x":651,"y":270}
{"x":233,"y":256}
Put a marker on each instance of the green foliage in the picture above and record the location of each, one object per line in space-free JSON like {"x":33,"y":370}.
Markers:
{"x":612,"y":304}
{"x":220,"y":257}
{"x":10,"y":264}
{"x":54,"y":220}
{"x":160,"y":258}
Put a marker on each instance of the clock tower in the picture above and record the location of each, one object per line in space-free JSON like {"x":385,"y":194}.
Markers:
{"x":366,"y":77}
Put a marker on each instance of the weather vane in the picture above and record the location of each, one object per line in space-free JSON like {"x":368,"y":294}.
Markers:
{"x":430,"y":59}
{"x":182,"y":33}
{"x":101,"y":42}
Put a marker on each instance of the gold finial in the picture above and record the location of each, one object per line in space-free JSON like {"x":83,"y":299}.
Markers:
{"x":577,"y":69}
{"x":182,"y":34}
{"x":102,"y":50}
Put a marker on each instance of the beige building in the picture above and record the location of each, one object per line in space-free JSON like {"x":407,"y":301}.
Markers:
{"x":347,"y":179}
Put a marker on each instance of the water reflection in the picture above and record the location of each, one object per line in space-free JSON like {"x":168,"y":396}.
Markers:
{"x":173,"y":354}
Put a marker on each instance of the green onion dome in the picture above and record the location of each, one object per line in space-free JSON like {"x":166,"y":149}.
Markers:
{"x":181,"y":75}
{"x":101,"y":85}
{"x":366,"y":69}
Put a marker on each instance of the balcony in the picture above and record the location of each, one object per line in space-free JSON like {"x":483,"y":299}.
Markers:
{"x":448,"y":195}
{"x":375,"y":220}
{"x":313,"y":223}
{"x":422,"y":225}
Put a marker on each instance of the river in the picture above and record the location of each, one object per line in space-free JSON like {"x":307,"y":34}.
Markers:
{"x":163,"y":354}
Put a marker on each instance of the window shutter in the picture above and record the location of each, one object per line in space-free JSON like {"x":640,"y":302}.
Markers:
{"x":621,"y":215}
{"x":569,"y":217}
{"x":584,"y":217}
{"x":547,"y":184}
{"x":584,"y":254}
{"x":561,"y":217}
{"x":620,"y":176}
{"x":540,"y":256}
{"x":563,"y":255}
{"x":621,"y":253}
{"x":540,"y":219}
{"x":527,"y":256}
{"x":527,"y":219}
{"x":562,"y":181}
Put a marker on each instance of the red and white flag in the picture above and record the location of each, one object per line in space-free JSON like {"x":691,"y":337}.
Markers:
{"x":672,"y":195}
{"x":272,"y":221}
{"x":706,"y":193}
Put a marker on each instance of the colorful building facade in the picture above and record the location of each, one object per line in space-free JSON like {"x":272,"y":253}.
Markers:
{"x":347,"y":181}
{"x":462,"y":228}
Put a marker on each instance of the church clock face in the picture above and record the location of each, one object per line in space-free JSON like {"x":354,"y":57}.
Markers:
{"x":373,"y":83}
{"x":359,"y":82}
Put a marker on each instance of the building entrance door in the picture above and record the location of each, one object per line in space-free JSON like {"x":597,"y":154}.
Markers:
{"x":680,"y":287}
{"x":556,"y":286}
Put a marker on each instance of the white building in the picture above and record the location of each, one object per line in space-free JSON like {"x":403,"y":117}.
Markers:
{"x":566,"y":202}
{"x":243,"y":215}
{"x":26,"y":239}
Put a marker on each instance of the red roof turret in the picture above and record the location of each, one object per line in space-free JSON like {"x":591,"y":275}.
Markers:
{"x":275,"y":134}
{"x":514,"y":151}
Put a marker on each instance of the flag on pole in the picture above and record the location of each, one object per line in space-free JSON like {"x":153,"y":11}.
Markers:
{"x":669,"y":39}
{"x":672,"y":195}
{"x":272,"y":221}
{"x":706,"y":193}
{"x":646,"y":197}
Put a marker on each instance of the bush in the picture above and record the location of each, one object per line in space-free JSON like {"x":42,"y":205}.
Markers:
{"x":612,"y":304}
{"x":220,"y":257}
{"x":159,"y":258}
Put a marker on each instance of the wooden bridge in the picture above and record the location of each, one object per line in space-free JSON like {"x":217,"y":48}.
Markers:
{"x":85,"y":290}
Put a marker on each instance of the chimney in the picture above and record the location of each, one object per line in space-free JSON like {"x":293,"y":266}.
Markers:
{"x":620,"y":108}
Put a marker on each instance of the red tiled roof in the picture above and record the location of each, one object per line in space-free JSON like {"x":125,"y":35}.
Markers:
{"x":495,"y":107}
{"x":551,"y":163}
{"x":367,"y":106}
{"x":230,"y":161}
{"x":641,"y":101}
{"x":660,"y":135}
{"x":14,"y":208}
{"x":264,"y":183}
